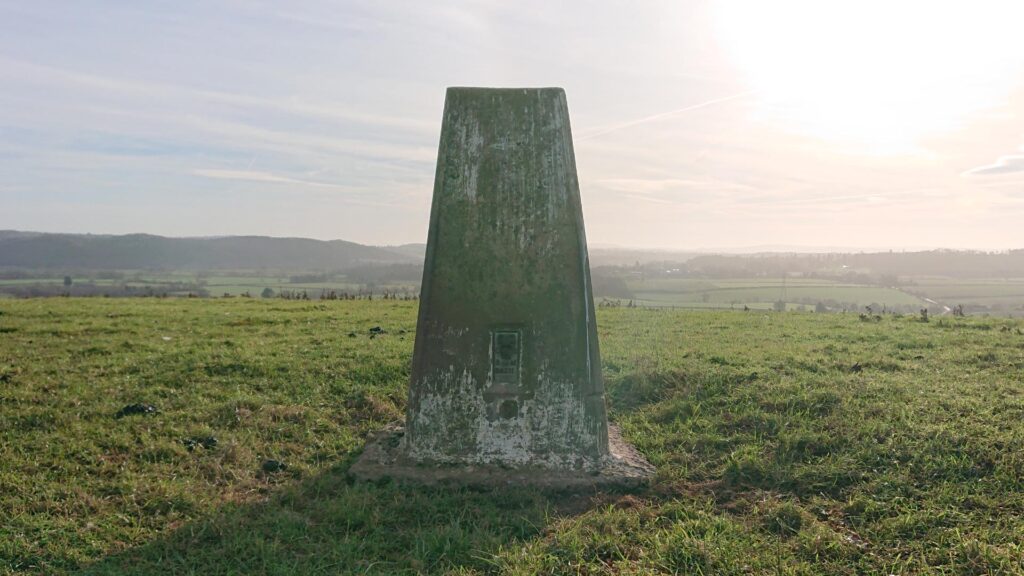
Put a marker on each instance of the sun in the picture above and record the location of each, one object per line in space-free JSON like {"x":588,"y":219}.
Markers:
{"x":878,"y":75}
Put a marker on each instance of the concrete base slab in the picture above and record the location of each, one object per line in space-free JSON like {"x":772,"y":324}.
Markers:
{"x":624,"y":468}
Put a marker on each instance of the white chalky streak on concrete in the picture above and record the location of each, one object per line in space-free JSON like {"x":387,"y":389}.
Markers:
{"x":504,"y":441}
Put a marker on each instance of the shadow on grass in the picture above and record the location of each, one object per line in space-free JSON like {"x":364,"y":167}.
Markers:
{"x":329,"y":524}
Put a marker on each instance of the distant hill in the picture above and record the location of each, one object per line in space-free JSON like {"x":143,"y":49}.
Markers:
{"x":599,"y":255}
{"x":948,"y":263}
{"x":620,"y":256}
{"x":145,"y":251}
{"x":5,"y":234}
{"x":37,"y":250}
{"x":414,"y":251}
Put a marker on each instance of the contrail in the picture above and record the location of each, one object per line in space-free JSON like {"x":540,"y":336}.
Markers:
{"x":662,"y":115}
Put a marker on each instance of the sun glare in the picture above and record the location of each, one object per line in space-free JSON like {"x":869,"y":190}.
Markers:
{"x":877,"y":75}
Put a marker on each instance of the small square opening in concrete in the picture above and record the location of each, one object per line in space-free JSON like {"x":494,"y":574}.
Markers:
{"x":506,"y":353}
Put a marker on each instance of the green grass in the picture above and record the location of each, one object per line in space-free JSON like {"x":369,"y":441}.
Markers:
{"x":27,"y":281}
{"x":217,"y":285}
{"x":1002,"y":295}
{"x":773,"y":455}
{"x":762,"y":293}
{"x":236,"y":285}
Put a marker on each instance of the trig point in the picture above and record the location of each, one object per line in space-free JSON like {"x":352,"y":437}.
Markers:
{"x":506,"y":377}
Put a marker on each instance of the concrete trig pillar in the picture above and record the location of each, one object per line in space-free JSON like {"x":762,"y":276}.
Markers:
{"x":506,"y":375}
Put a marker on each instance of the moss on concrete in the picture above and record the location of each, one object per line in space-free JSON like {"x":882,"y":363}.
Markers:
{"x":506,"y":368}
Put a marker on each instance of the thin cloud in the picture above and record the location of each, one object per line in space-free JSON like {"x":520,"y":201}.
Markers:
{"x":646,"y":198}
{"x":1004,"y":165}
{"x":646,"y":119}
{"x":257,"y":176}
{"x":648,"y":185}
{"x":873,"y":196}
{"x":271,"y":178}
{"x":64,"y":79}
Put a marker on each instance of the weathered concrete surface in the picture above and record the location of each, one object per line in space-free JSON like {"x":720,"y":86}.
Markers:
{"x":506,"y":369}
{"x":384,"y":457}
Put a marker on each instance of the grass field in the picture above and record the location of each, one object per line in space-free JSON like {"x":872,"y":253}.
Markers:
{"x":762,"y":293}
{"x":1005,"y":295}
{"x":785,"y":443}
{"x":1000,"y":297}
{"x":216,"y":284}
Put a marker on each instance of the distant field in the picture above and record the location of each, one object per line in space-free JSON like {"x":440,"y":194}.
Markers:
{"x":216,"y":285}
{"x":795,"y":444}
{"x":763,"y":293}
{"x":1004,"y":297}
{"x":1000,"y":295}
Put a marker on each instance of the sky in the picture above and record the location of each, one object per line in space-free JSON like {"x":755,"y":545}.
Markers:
{"x":697,"y":124}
